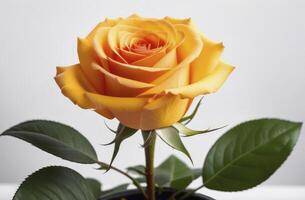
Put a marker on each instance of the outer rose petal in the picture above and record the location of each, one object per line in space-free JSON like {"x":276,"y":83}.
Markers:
{"x":139,"y":114}
{"x":207,"y":60}
{"x":87,"y":54}
{"x":186,"y":21}
{"x":208,"y":84}
{"x":74,"y":85}
{"x":163,"y":111}
{"x":106,"y":23}
{"x":126,"y":109}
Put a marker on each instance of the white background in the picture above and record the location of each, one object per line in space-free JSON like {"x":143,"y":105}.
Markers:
{"x":265,"y":40}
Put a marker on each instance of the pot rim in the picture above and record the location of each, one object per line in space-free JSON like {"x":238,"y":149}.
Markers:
{"x":136,"y":191}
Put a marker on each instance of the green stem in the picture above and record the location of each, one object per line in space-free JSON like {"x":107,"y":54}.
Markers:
{"x":149,"y":158}
{"x":134,"y":181}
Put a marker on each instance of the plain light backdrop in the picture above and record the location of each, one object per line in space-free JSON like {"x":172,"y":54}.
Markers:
{"x":265,"y":40}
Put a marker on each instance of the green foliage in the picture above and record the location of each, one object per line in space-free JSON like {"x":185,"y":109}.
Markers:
{"x":122,"y":133}
{"x":187,"y":132}
{"x":249,"y":153}
{"x":187,"y":119}
{"x":56,"y":183}
{"x":119,"y":188}
{"x":171,"y":137}
{"x":95,"y":186}
{"x":170,"y":173}
{"x":242,"y":158}
{"x":55,"y":138}
{"x":174,"y":173}
{"x":138,"y":169}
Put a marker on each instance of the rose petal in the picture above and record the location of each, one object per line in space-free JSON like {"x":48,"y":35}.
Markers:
{"x":207,"y":60}
{"x":179,"y":75}
{"x":126,"y":109}
{"x":113,"y":41}
{"x":74,"y":85}
{"x":101,"y":47}
{"x":208,"y":84}
{"x":186,"y":21}
{"x":163,"y":111}
{"x":134,"y":72}
{"x":152,"y":25}
{"x":150,"y":60}
{"x":130,"y":56}
{"x":121,"y":86}
{"x":87,"y":56}
{"x":139,"y":113}
{"x":104,"y":24}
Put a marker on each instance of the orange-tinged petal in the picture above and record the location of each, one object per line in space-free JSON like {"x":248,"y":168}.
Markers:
{"x":208,"y":84}
{"x":170,"y":59}
{"x":135,"y":15}
{"x":101,"y":46}
{"x":130,"y":56}
{"x":179,"y":75}
{"x":87,"y":56}
{"x":163,"y":111}
{"x":139,"y":73}
{"x":186,"y":21}
{"x":150,"y":60}
{"x":207,"y":60}
{"x":155,"y":26}
{"x":187,"y":51}
{"x":123,"y":104}
{"x":179,"y":78}
{"x":126,"y":109}
{"x":113,"y":38}
{"x":121,"y":86}
{"x":74,"y":85}
{"x":139,"y":113}
{"x":105,"y":23}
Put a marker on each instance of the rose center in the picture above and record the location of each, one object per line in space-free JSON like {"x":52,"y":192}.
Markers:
{"x":148,"y":44}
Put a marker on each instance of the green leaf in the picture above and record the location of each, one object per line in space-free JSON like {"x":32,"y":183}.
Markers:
{"x":95,"y":186}
{"x":190,"y":117}
{"x":249,"y":154}
{"x":119,"y":188}
{"x":170,"y":173}
{"x":196,"y":173}
{"x":110,"y":129}
{"x":56,"y":183}
{"x":123,"y":132}
{"x":172,"y":138}
{"x":55,"y":138}
{"x":187,"y":132}
{"x":173,"y":173}
{"x":138,"y":170}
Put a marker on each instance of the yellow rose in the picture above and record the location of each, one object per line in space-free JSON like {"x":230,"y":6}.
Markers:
{"x":145,"y":72}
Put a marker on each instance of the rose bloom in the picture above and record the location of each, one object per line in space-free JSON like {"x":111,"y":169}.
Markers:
{"x":143,"y":71}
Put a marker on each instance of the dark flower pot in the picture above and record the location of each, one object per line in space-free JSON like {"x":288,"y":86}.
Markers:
{"x":164,"y":195}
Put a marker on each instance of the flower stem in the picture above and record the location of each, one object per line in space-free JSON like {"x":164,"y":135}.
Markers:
{"x":149,"y":158}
